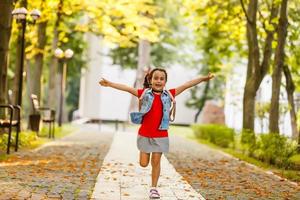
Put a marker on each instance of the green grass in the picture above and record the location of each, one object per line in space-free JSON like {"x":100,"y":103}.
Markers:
{"x":188,"y":133}
{"x":59,"y":131}
{"x":292,"y":175}
{"x":3,"y":157}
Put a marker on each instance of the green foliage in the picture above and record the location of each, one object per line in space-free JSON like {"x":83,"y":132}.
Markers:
{"x":25,"y":139}
{"x":219,"y":34}
{"x":262,"y":109}
{"x":248,"y":141}
{"x":29,"y":139}
{"x":295,"y":160}
{"x":217,"y":134}
{"x":292,"y":50}
{"x":275,"y":149}
{"x":124,"y":23}
{"x":219,"y":28}
{"x":3,"y":141}
{"x":270,"y":148}
{"x":164,"y":52}
{"x":298,"y":119}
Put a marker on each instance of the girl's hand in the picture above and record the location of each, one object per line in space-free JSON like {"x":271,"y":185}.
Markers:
{"x":208,"y":77}
{"x":104,"y":82}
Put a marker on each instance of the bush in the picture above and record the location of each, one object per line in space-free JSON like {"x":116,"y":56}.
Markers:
{"x":275,"y":149}
{"x":3,"y":141}
{"x":295,"y":161}
{"x":217,"y":134}
{"x":248,"y":141}
{"x":25,"y":139}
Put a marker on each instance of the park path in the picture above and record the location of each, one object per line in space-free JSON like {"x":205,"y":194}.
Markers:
{"x":122,"y":178}
{"x":217,"y":175}
{"x":62,"y":169}
{"x":77,"y":166}
{"x":68,"y":169}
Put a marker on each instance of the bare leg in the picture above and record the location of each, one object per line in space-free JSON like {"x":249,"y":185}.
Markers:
{"x":144,"y":159}
{"x":155,"y":162}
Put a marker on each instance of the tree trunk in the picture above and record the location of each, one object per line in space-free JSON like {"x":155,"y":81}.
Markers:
{"x":255,"y":70}
{"x":279,"y":61}
{"x":39,"y":61}
{"x":290,"y":88}
{"x":143,"y":63}
{"x":53,"y":78}
{"x":6,"y":7}
{"x":249,"y":106}
{"x":39,"y":57}
{"x":253,"y":61}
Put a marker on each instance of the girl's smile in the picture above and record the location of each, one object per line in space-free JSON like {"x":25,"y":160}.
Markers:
{"x":158,"y":80}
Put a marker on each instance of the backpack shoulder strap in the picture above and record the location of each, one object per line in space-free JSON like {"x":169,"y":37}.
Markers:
{"x":173,"y":107}
{"x":171,"y":96}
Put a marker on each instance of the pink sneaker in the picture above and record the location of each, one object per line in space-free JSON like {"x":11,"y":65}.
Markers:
{"x":154,"y":194}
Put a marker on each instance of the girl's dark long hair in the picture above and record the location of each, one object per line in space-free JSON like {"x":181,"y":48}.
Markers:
{"x":146,"y":83}
{"x":148,"y":77}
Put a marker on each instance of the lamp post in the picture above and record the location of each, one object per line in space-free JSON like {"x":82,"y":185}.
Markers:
{"x":20,"y":14}
{"x":62,"y":56}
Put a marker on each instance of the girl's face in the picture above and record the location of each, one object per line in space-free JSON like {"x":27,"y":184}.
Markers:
{"x":158,"y":80}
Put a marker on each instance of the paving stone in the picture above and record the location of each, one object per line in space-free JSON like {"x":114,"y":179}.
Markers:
{"x":217,"y":175}
{"x":68,"y":169}
{"x":7,"y":196}
{"x":68,"y":196}
{"x":122,"y":178}
{"x":11,"y":190}
{"x":58,"y":166}
{"x":36,"y":196}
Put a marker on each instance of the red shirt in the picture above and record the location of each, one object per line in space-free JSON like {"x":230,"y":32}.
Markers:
{"x":152,"y":119}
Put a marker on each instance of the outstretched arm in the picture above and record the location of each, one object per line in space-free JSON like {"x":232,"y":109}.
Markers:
{"x":118,"y":86}
{"x":192,"y":83}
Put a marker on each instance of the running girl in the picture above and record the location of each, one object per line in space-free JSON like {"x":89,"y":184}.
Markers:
{"x":154,"y":116}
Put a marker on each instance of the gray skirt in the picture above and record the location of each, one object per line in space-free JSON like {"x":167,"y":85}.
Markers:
{"x":149,"y":145}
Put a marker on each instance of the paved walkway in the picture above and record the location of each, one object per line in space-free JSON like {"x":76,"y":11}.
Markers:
{"x":122,"y":178}
{"x":69,"y":168}
{"x":219,"y":176}
{"x":63,"y":169}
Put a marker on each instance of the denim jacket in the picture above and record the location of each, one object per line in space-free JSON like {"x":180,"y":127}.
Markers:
{"x":147,"y":100}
